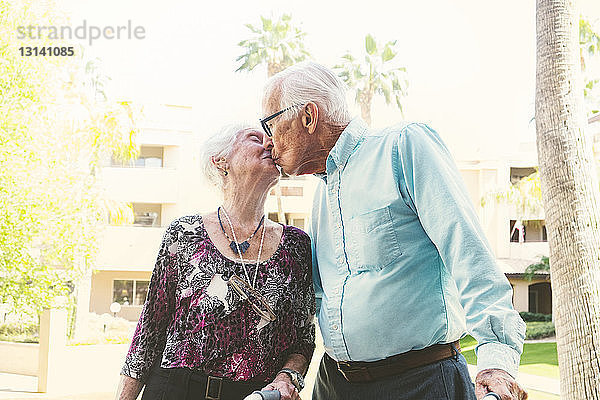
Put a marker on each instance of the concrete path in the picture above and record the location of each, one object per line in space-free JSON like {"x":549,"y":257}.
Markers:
{"x":24,"y":387}
{"x":13,"y":387}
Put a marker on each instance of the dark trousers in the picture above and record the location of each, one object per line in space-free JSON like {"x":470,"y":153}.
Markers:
{"x":446,"y":379}
{"x":185,"y":384}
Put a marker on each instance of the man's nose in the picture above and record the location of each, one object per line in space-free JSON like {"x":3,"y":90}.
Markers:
{"x":267,"y":142}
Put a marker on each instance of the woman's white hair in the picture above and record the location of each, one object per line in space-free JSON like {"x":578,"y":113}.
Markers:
{"x":309,"y":81}
{"x":219,"y":145}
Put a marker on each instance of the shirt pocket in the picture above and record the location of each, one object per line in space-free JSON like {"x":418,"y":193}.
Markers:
{"x":374,"y":241}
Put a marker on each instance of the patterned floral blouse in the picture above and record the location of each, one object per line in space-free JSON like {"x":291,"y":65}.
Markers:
{"x":193,"y":318}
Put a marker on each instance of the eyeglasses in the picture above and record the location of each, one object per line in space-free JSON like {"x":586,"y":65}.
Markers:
{"x":264,"y":121}
{"x":256,"y":300}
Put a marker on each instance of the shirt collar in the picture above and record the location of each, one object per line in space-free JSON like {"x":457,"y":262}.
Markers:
{"x":344,"y":147}
{"x":321,"y":175}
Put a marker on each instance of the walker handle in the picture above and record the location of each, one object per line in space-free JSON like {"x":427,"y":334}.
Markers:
{"x":264,"y":395}
{"x":492,"y":396}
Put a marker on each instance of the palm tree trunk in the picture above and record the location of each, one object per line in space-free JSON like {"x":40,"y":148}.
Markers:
{"x":570,"y":193}
{"x":365,"y":105}
{"x":365,"y":112}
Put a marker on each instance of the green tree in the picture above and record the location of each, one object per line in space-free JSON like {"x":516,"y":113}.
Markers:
{"x":525,"y":195}
{"x":589,"y":46}
{"x":277,"y":42}
{"x":374,"y":73}
{"x":542,"y":266}
{"x":54,"y":133}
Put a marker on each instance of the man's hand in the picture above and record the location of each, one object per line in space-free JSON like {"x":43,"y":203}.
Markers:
{"x":283,"y":383}
{"x":499,"y":382}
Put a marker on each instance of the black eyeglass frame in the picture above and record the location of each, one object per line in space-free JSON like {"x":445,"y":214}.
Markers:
{"x":263,"y":121}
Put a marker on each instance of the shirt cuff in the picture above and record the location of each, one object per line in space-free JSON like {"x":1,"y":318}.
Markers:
{"x":495,"y":355}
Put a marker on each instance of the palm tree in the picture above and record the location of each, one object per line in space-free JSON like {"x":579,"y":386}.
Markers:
{"x":278,"y":43}
{"x":375,"y":75}
{"x":525,"y":195}
{"x":571,"y":198}
{"x":589,"y":46}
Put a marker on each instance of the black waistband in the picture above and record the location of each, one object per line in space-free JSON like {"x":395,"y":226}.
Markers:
{"x":201,"y":386}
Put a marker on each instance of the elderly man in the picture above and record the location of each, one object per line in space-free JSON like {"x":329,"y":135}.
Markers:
{"x":401,"y":267}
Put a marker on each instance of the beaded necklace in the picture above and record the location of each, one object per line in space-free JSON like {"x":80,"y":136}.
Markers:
{"x":243,"y":246}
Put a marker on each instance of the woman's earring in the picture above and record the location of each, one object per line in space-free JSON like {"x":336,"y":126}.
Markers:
{"x":225,"y":173}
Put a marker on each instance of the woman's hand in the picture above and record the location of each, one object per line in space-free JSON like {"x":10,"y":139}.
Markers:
{"x":283,"y":383}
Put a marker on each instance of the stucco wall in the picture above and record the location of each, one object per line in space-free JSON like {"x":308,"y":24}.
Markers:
{"x":521,"y":295}
{"x":19,"y":358}
{"x":102,"y":292}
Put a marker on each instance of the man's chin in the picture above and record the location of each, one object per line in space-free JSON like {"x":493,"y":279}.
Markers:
{"x":283,"y":169}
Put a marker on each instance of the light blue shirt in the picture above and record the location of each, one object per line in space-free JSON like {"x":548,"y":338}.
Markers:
{"x":400,"y":260}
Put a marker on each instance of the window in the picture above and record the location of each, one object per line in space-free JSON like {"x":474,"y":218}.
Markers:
{"x":532,"y":230}
{"x":533,"y":301}
{"x":141,"y":290}
{"x":146,"y":214}
{"x":298,"y":223}
{"x":296,"y":220}
{"x":149,"y":157}
{"x":514,"y":232}
{"x":123,"y":292}
{"x":512,"y":288}
{"x":516,"y":174}
{"x":129,"y":292}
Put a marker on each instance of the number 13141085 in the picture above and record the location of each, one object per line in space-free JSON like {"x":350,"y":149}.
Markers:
{"x":47,"y":51}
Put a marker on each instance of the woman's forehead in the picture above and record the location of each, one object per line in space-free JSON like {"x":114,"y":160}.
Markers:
{"x":249,"y":131}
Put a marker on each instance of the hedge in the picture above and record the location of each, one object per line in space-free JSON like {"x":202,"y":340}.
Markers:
{"x":539,"y":330}
{"x":535,"y":317}
{"x":16,"y":332}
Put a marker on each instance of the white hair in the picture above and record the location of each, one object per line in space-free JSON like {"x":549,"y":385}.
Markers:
{"x":219,"y":145}
{"x":309,"y":81}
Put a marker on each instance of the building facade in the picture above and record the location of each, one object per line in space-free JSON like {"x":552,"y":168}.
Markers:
{"x":165,"y":182}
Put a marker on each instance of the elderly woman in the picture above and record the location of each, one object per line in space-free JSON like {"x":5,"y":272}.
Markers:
{"x":230,"y":308}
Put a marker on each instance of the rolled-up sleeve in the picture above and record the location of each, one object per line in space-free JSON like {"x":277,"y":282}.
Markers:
{"x":436,"y":192}
{"x":150,"y":334}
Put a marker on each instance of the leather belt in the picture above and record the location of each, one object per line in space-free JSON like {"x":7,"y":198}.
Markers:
{"x":363,"y":371}
{"x":206,"y":386}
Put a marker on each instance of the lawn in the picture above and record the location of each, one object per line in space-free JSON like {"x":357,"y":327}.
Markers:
{"x":537,"y":359}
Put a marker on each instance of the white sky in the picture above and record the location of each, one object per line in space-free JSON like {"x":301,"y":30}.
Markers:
{"x":471,"y":63}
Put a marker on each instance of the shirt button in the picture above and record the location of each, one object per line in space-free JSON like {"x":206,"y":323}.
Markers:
{"x":335,"y":327}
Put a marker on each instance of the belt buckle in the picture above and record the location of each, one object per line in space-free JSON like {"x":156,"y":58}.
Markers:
{"x":208,"y":394}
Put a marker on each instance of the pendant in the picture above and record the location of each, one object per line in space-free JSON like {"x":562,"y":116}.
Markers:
{"x":243,"y":246}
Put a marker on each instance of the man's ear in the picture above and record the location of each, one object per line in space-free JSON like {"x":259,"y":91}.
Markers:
{"x":310,"y":116}
{"x":221,"y":163}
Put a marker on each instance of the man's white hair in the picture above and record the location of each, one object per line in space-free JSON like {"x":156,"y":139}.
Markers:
{"x":309,"y":81}
{"x":219,"y":145}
